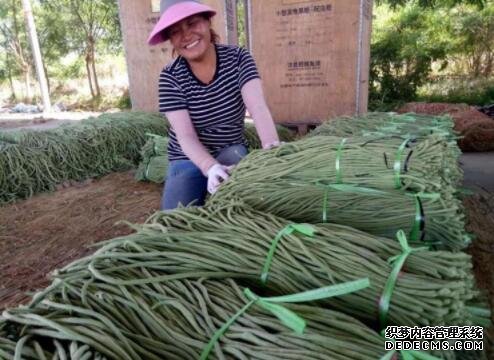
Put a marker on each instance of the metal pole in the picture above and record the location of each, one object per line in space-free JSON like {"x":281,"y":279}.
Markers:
{"x":33,"y":37}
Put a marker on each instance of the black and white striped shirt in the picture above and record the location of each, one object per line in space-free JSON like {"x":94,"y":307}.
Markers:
{"x":216,"y":109}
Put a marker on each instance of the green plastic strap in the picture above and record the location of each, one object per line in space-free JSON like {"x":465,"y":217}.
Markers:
{"x":419,"y":222}
{"x":146,"y":173}
{"x":286,"y":316}
{"x":325,"y":205}
{"x":357,"y":189}
{"x":324,"y":292}
{"x":338,"y":157}
{"x":397,"y":165}
{"x":345,"y":188}
{"x":154,"y":137}
{"x":155,"y":149}
{"x":397,"y":262}
{"x":223,"y":329}
{"x":304,"y":229}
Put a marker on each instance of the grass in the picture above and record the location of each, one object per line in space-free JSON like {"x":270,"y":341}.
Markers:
{"x":470,"y":91}
{"x":452,"y":89}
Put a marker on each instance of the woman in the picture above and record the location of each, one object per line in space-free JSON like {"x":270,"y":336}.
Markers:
{"x":204,"y":93}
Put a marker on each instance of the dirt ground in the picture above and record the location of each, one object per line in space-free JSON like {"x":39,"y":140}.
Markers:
{"x":50,"y":230}
{"x":480,"y":216}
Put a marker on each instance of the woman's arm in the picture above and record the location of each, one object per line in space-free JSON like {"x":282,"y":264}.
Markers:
{"x":253,"y":97}
{"x":189,"y":142}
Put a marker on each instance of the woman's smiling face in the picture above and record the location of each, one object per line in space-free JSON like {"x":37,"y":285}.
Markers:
{"x":191,"y":37}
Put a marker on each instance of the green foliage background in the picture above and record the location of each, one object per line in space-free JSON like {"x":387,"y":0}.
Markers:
{"x":432,"y":53}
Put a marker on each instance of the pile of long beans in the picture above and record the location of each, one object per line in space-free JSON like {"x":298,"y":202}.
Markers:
{"x":325,"y":179}
{"x":35,"y":161}
{"x":172,"y":320}
{"x":388,"y":124}
{"x":232,"y":241}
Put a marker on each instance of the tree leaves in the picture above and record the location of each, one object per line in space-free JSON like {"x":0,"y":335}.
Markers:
{"x":432,"y":3}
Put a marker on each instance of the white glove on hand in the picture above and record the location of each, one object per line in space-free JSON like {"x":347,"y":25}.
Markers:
{"x":216,"y":175}
{"x":273,"y":145}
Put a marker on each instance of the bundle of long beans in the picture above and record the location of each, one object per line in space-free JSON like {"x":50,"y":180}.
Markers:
{"x":301,"y":181}
{"x":435,"y":220}
{"x":153,"y":169}
{"x":405,"y":126}
{"x":378,"y":163}
{"x":154,"y":162}
{"x":232,"y":241}
{"x":173,"y":320}
{"x":387,"y":124}
{"x":39,"y":160}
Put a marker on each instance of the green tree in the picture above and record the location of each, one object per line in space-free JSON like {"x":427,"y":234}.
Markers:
{"x":84,"y":27}
{"x":241,"y":26}
{"x":13,"y":40}
{"x":403,"y":49}
{"x":431,"y":3}
{"x":473,"y":34}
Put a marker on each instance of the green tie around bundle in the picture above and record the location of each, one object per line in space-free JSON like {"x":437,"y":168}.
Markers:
{"x":345,"y":188}
{"x":304,"y":229}
{"x":338,"y":160}
{"x":397,"y":164}
{"x":286,"y":316}
{"x":397,"y":262}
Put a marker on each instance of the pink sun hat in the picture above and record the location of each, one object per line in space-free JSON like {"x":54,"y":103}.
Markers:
{"x":173,"y":11}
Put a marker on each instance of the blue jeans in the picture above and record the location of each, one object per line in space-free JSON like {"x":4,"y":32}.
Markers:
{"x":185,"y":184}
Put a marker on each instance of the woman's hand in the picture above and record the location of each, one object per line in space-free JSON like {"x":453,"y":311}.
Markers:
{"x":217,"y":174}
{"x":272,"y":145}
